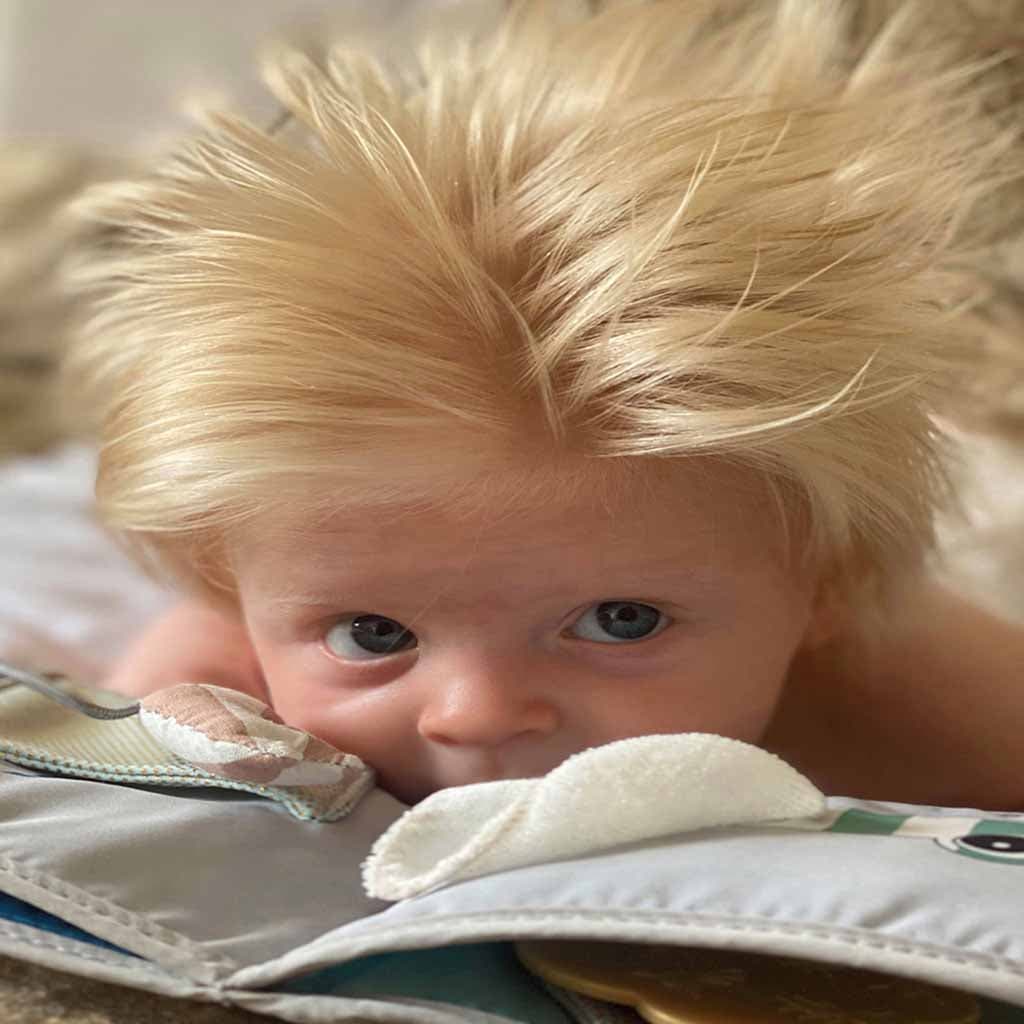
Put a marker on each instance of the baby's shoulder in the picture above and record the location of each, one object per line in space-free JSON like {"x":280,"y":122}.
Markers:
{"x":931,"y":713}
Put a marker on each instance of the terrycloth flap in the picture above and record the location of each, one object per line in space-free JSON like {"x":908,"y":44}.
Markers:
{"x":635,"y":789}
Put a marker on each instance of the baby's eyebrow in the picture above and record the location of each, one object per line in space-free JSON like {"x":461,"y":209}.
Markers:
{"x":672,"y":581}
{"x":299,"y":599}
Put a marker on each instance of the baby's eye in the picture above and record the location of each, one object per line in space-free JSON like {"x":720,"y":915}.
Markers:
{"x":620,"y":622}
{"x":359,"y":637}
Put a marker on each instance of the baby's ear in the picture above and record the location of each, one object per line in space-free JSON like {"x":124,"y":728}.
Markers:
{"x":827,"y":616}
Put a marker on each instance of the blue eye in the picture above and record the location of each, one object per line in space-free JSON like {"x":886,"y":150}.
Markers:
{"x":363,"y":636}
{"x":620,"y":622}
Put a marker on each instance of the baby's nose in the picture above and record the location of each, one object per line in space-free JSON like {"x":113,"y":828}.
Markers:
{"x":485,"y":709}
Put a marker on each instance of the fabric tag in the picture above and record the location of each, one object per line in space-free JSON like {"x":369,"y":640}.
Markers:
{"x":38,"y":733}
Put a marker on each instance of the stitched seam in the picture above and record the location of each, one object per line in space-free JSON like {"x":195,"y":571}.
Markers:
{"x":181,"y":774}
{"x":102,"y":908}
{"x":24,"y":753}
{"x":155,"y":775}
{"x":837,"y":934}
{"x":32,"y":937}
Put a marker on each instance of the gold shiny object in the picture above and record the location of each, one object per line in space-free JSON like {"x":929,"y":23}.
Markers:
{"x":675,"y":985}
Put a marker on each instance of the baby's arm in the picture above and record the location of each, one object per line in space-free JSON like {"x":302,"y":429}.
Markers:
{"x":192,"y":643}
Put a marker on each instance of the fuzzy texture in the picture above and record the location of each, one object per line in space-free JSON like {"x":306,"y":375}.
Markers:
{"x":37,"y":179}
{"x":642,"y":788}
{"x":750,"y":231}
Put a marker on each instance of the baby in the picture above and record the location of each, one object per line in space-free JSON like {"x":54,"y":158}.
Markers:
{"x":575,"y":382}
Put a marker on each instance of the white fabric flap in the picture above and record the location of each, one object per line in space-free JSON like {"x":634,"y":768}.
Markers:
{"x":641,"y":788}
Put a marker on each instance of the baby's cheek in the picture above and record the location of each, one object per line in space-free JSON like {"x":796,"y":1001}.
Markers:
{"x":720,"y":692}
{"x":356,"y":722}
{"x":300,"y":691}
{"x":313,"y":708}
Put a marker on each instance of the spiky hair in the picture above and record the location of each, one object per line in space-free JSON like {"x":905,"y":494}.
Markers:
{"x":564,"y":242}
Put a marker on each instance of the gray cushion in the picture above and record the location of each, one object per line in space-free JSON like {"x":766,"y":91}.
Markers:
{"x":224,"y":896}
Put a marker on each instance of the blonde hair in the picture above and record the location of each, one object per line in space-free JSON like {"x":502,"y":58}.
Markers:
{"x":560,"y":243}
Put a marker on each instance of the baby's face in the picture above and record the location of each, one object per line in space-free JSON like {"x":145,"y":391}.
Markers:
{"x":444,"y":652}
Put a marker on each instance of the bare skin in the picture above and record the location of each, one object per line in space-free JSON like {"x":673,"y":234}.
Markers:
{"x":510,"y":673}
{"x":931,"y":715}
{"x":193,"y":641}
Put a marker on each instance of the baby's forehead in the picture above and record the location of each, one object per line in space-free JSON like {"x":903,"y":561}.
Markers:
{"x":494,"y":510}
{"x":699,"y":523}
{"x":506,"y":492}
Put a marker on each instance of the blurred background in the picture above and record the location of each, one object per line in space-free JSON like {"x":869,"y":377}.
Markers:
{"x":87,"y":86}
{"x":114,"y":72}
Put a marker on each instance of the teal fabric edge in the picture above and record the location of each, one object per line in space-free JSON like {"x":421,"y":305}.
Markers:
{"x":13,"y":909}
{"x":485,"y":976}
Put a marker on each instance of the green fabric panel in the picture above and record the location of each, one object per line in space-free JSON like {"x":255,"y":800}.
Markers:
{"x":867,"y":823}
{"x":995,"y":827}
